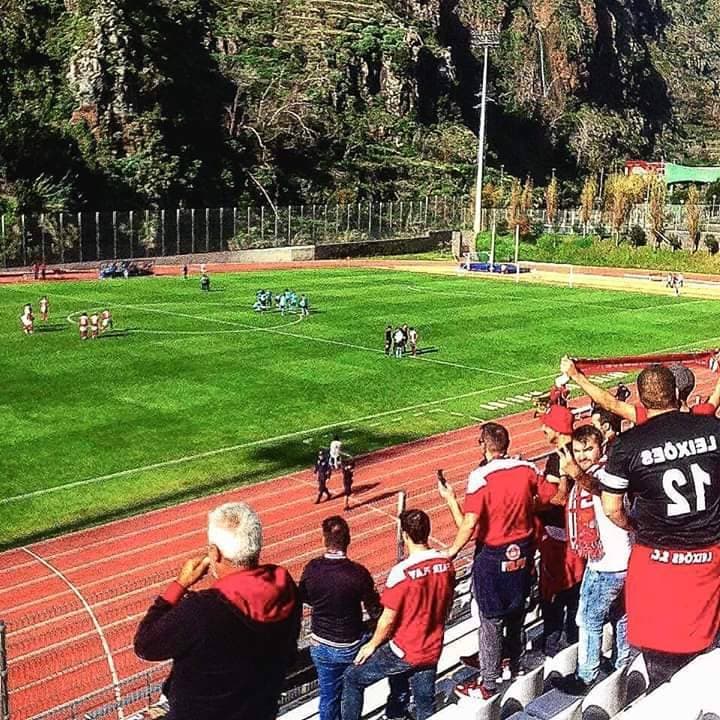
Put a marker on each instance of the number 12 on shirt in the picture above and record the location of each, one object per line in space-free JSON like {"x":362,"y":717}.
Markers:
{"x":674,"y":479}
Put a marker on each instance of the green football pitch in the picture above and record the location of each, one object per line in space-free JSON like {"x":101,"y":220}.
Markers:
{"x":194,"y":392}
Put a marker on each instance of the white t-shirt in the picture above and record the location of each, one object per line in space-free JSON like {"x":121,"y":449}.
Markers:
{"x":335,"y":446}
{"x":616,"y":543}
{"x":412,"y":336}
{"x":399,"y":337}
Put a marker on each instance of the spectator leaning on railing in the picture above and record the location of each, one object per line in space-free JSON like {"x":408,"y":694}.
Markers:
{"x":336,"y":588}
{"x":231,"y":644}
{"x":408,"y":640}
{"x":670,"y":465}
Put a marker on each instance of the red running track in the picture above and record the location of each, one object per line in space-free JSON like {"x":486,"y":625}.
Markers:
{"x":72,"y":603}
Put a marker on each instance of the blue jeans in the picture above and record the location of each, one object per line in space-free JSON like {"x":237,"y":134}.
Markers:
{"x":401,"y":675}
{"x":601,"y":600}
{"x":330,"y":663}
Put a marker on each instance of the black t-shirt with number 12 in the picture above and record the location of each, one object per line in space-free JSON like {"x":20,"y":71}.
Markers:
{"x":671,"y":467}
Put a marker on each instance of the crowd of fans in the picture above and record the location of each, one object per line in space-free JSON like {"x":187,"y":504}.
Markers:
{"x":625,"y":517}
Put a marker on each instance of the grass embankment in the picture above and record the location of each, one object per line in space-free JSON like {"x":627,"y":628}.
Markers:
{"x":579,"y":250}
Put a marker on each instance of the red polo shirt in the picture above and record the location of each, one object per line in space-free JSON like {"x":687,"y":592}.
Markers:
{"x":501,"y":493}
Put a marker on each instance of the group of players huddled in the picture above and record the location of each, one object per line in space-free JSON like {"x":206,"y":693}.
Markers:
{"x":90,"y":326}
{"x":400,"y":340}
{"x":285,"y":302}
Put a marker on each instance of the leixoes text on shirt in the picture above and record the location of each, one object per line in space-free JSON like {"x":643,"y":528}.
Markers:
{"x":421,"y":572}
{"x":677,"y":450}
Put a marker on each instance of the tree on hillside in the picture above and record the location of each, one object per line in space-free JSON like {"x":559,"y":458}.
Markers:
{"x":622,"y":192}
{"x":692,"y":216}
{"x":587,"y":201}
{"x":657,"y":197}
{"x":551,"y":200}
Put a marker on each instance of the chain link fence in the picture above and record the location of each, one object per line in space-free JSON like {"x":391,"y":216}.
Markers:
{"x":65,"y":238}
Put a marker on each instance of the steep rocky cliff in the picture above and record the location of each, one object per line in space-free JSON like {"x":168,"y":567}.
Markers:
{"x":128,"y":102}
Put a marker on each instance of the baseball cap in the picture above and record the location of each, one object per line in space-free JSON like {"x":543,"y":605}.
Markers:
{"x":559,"y":419}
{"x":684,"y":379}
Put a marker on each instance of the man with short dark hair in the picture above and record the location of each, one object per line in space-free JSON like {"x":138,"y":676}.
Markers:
{"x":408,"y":640}
{"x":233,"y":643}
{"x":499,"y":511}
{"x":337,"y":589}
{"x":609,"y":424}
{"x":671,"y":466}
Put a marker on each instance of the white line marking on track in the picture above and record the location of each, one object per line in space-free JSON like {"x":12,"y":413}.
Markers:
{"x":95,"y":622}
{"x":256,"y":443}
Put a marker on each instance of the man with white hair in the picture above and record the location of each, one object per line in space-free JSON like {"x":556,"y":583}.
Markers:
{"x":233,"y":642}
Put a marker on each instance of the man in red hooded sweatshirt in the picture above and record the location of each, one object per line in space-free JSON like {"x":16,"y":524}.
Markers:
{"x":232,"y":643}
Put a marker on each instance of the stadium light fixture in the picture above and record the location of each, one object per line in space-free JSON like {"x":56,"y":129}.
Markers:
{"x":485,"y":35}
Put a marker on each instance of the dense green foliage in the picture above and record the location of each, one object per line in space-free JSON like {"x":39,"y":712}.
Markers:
{"x":186,"y":373}
{"x":120,"y":104}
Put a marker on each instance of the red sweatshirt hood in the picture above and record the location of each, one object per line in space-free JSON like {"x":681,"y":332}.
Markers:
{"x":265,"y":594}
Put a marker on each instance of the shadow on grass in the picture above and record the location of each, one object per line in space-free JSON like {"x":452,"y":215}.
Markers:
{"x":262,"y":463}
{"x":57,"y":327}
{"x":116,"y":334}
{"x":427,"y":350}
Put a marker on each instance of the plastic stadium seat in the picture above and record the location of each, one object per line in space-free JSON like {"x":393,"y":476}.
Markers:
{"x":554,"y":705}
{"x":471,"y":709}
{"x":698,"y":679}
{"x":521,"y":692}
{"x":607,"y":698}
{"x":564,"y":663}
{"x":637,"y":679}
{"x":665,"y":702}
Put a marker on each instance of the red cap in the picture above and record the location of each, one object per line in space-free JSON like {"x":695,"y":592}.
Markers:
{"x":559,"y":419}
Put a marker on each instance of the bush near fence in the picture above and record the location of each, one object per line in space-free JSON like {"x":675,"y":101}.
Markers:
{"x":580,"y":250}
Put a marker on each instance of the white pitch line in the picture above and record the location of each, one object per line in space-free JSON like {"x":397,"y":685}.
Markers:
{"x":264,"y":441}
{"x":96,"y":623}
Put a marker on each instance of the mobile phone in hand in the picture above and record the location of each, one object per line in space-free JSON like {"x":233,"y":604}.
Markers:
{"x":441,"y":478}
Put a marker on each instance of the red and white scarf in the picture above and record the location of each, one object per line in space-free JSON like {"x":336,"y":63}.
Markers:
{"x":582,"y":528}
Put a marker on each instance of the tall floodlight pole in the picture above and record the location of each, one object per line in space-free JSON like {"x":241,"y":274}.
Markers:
{"x":487,"y":37}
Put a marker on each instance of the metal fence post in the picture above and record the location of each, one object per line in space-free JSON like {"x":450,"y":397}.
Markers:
{"x":4,"y":695}
{"x":24,"y":245}
{"x":80,"y":236}
{"x":390,"y":219}
{"x":132,"y":229}
{"x":2,"y":234}
{"x":61,"y":239}
{"x":177,"y":231}
{"x":380,"y":221}
{"x":207,"y":228}
{"x":162,"y":233}
{"x":192,"y":230}
{"x":97,"y":236}
{"x":220,"y":244}
{"x":262,"y":225}
{"x":289,"y":223}
{"x":234,"y":222}
{"x":115,"y":239}
{"x":370,"y":219}
{"x":42,"y":236}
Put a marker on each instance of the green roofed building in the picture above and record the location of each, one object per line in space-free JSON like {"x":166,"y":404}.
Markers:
{"x":685,"y":174}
